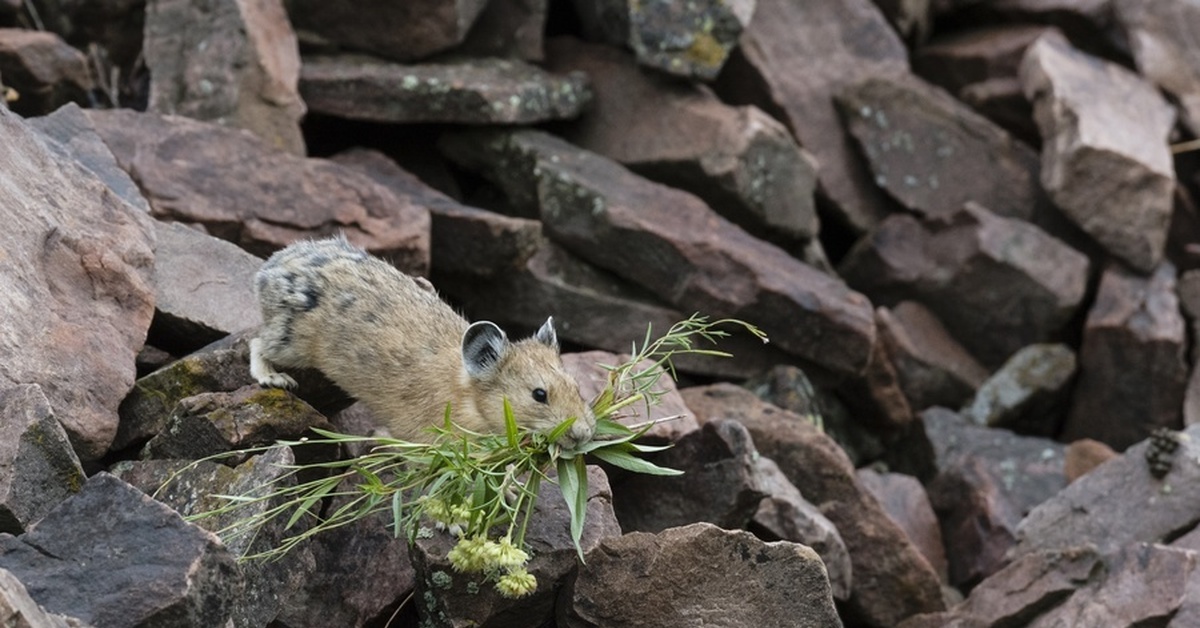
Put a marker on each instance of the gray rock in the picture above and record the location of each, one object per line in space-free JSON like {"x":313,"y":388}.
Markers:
{"x":932,"y":367}
{"x":40,"y":467}
{"x":470,"y":91}
{"x":20,"y":611}
{"x":112,"y":556}
{"x":230,"y":62}
{"x":1105,"y":159}
{"x":1029,"y":394}
{"x":1162,"y":39}
{"x":404,"y":31}
{"x":43,"y":70}
{"x":1189,"y":303}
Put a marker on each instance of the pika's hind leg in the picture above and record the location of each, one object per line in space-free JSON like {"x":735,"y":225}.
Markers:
{"x":263,"y":371}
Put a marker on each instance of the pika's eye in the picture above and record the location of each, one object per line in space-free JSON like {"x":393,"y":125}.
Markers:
{"x":539,"y":395}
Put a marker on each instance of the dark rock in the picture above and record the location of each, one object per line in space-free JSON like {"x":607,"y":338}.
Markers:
{"x":1134,"y":321}
{"x":957,"y":60}
{"x":854,"y":42}
{"x":746,"y":166}
{"x":114,"y":26}
{"x":912,"y":19}
{"x":472,"y":91}
{"x":78,"y":264}
{"x":671,"y":579}
{"x":20,"y":611}
{"x":1083,"y":455}
{"x":876,"y":399}
{"x":40,"y":468}
{"x":242,"y":191}
{"x":466,"y":600}
{"x":785,"y":515}
{"x":719,"y":484}
{"x":112,"y":556}
{"x":508,"y":28}
{"x":998,"y":284}
{"x":43,"y":71}
{"x":1105,"y":159}
{"x":933,"y":154}
{"x":1188,"y":290}
{"x":1089,"y":22}
{"x":234,"y":63}
{"x":891,"y":579}
{"x":932,"y":367}
{"x":1161,"y":39}
{"x":1003,"y":101}
{"x":1027,"y":395}
{"x":669,"y":242}
{"x":676,"y":419}
{"x":203,"y":286}
{"x":907,"y":503}
{"x":404,"y":31}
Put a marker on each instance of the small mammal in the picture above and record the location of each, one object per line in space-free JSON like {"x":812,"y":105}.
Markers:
{"x":388,"y":340}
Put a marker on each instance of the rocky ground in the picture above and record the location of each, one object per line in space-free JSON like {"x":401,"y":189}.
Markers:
{"x":962,"y":224}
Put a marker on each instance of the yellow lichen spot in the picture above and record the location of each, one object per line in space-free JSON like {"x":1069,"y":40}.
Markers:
{"x":706,"y":50}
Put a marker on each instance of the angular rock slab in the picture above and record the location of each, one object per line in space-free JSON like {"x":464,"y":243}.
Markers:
{"x":466,"y":91}
{"x":933,"y":154}
{"x":20,"y":611}
{"x":671,"y":243}
{"x":957,"y":60}
{"x":1134,"y":321}
{"x":998,"y":284}
{"x":745,"y":165}
{"x":907,"y":503}
{"x":244,"y":192}
{"x":112,"y":556}
{"x":1162,"y":39}
{"x":232,"y":62}
{"x":1027,"y":395}
{"x":699,"y":573}
{"x":42,"y":70}
{"x":40,"y":468}
{"x":1105,"y":159}
{"x":932,"y":367}
{"x":891,"y":579}
{"x":78,"y":262}
{"x":854,"y":42}
{"x":512,"y":29}
{"x":404,"y":31}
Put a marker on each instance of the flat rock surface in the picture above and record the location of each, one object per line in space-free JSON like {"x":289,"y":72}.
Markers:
{"x":403,"y":31}
{"x":931,"y":366}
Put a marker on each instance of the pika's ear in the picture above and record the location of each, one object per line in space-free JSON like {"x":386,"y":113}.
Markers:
{"x":482,"y":345}
{"x":546,"y":335}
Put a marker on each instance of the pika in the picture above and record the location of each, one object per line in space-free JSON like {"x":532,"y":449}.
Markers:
{"x":390,"y":341}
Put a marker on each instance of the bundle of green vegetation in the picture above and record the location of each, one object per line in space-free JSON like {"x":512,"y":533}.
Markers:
{"x":481,"y":487}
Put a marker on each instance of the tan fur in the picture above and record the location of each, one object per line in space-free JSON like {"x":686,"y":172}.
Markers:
{"x":388,"y":340}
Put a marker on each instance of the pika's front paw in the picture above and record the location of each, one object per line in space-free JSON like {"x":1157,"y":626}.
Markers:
{"x":277,"y":380}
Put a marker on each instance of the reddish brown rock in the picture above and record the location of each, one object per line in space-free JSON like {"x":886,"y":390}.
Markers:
{"x":42,"y":70}
{"x":232,"y":62}
{"x":854,"y":42}
{"x":1028,"y":394}
{"x":1105,"y":159}
{"x":1162,"y":39}
{"x":957,"y":60}
{"x":877,"y":398}
{"x":1189,"y":303}
{"x":78,"y":262}
{"x":508,"y":28}
{"x":1003,"y":101}
{"x":260,"y":199}
{"x":1083,"y":455}
{"x":905,"y":501}
{"x":729,"y":578}
{"x":998,"y":284}
{"x":471,"y":91}
{"x":669,"y":242}
{"x":745,"y":165}
{"x":891,"y":579}
{"x":404,"y":31}
{"x":1134,"y":321}
{"x":932,"y":367}
{"x":41,"y":469}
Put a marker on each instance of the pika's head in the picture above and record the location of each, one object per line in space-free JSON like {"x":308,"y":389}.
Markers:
{"x":530,"y":374}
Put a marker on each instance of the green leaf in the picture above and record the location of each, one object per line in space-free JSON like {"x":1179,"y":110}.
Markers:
{"x":629,"y":462}
{"x":608,"y":427}
{"x":559,"y":430}
{"x":572,"y":481}
{"x":304,"y":506}
{"x":397,"y":505}
{"x":510,"y":424}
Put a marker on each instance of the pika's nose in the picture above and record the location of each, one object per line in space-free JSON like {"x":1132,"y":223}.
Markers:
{"x":580,"y":433}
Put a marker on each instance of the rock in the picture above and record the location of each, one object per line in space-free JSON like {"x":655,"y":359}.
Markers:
{"x":877,"y":399}
{"x":231,"y":62}
{"x":41,"y":469}
{"x":465,"y":599}
{"x":466,"y":91}
{"x":854,"y":42}
{"x":1161,"y":38}
{"x":1105,"y":159}
{"x":115,"y":26}
{"x":933,"y":369}
{"x":676,"y":419}
{"x":203,"y":286}
{"x":672,"y":244}
{"x":78,"y":264}
{"x":508,"y":28}
{"x":933,"y":154}
{"x":1135,"y":320}
{"x":402,"y":31}
{"x":745,"y":165}
{"x":998,"y":284}
{"x":691,"y":40}
{"x":727,"y":577}
{"x":912,"y":19}
{"x":1029,"y":394}
{"x":1188,"y":290}
{"x":1003,"y":101}
{"x":212,"y":423}
{"x":905,"y":501}
{"x":45,"y":72}
{"x":112,"y":556}
{"x":1118,"y":503}
{"x":959,"y":59}
{"x":1083,"y":455}
{"x":719,"y":484}
{"x":988,"y":480}
{"x":1088,"y":21}
{"x":785,"y":515}
{"x":260,"y":199}
{"x":20,"y":611}
{"x":891,"y":579}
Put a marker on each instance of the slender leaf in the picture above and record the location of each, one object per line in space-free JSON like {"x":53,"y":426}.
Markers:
{"x":510,"y":424}
{"x":630,"y":462}
{"x":572,"y":481}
